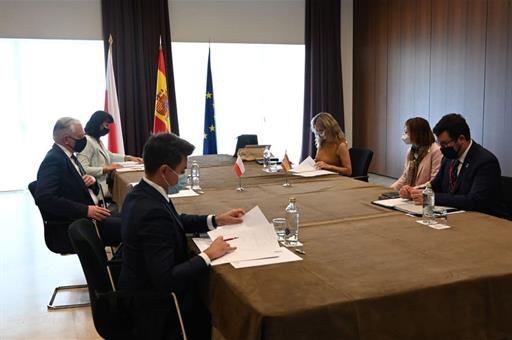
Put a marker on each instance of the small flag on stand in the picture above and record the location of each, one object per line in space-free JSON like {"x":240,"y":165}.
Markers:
{"x":285,"y":163}
{"x":239,"y":167}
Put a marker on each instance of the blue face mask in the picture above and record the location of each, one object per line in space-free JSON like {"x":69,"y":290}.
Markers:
{"x":182,"y":182}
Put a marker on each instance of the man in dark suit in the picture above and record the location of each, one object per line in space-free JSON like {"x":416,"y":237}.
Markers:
{"x":469,"y":176}
{"x":155,"y":255}
{"x":64,"y":192}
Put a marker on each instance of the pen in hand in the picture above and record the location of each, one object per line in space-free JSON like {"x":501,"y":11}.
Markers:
{"x":231,"y":238}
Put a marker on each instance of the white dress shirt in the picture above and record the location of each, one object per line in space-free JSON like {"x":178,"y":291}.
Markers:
{"x":69,"y":154}
{"x":209,"y":222}
{"x":463,"y":157}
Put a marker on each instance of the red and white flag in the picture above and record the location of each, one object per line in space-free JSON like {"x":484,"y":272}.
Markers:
{"x":115,"y":136}
{"x":239,"y":167}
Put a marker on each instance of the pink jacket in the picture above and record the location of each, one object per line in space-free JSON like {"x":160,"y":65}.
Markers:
{"x":427,"y":169}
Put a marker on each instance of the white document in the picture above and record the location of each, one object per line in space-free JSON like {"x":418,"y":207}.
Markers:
{"x":285,"y":255}
{"x":255,"y":238}
{"x":130,"y":164}
{"x":406,"y":206}
{"x":307,"y":169}
{"x":184,"y":193}
{"x":437,"y":226}
{"x":130,"y":169}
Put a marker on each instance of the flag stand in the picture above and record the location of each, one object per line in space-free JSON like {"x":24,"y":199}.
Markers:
{"x":286,"y":184}
{"x":240,"y":187}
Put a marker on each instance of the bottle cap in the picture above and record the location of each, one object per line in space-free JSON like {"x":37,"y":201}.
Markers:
{"x":292,"y":200}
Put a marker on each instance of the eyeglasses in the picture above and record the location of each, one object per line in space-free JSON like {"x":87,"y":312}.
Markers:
{"x":444,"y":144}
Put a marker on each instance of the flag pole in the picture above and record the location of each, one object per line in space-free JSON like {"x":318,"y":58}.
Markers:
{"x":286,"y":184}
{"x":240,"y":187}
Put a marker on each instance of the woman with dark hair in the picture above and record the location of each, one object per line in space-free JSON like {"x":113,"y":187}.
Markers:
{"x":423,"y":158}
{"x":97,"y":160}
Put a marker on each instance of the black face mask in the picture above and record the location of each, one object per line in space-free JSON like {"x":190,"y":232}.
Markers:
{"x":450,"y":152}
{"x":104,"y":131}
{"x":79,"y":144}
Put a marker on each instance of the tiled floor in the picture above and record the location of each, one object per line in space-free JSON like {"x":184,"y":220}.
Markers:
{"x":29,"y":272}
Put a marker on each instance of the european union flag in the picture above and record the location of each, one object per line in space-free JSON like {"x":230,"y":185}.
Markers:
{"x":210,"y":134}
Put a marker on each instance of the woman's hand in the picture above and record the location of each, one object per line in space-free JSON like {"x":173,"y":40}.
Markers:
{"x":133,"y":159}
{"x":111,"y":167}
{"x":322,"y":165}
{"x":405,"y":192}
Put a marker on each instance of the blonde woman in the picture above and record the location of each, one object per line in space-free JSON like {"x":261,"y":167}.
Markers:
{"x":332,"y":147}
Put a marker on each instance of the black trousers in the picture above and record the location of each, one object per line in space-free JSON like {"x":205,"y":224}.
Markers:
{"x":110,"y":230}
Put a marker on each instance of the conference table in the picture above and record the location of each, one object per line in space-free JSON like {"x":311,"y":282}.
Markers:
{"x":367,"y":273}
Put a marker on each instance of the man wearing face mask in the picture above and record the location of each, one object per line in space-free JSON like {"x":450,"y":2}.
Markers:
{"x":156,"y":256}
{"x":469,"y":176}
{"x":97,"y":160}
{"x":64,"y":191}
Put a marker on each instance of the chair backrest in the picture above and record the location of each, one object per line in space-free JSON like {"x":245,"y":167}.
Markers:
{"x":55,"y":232}
{"x":91,"y":252}
{"x":361,"y":159}
{"x":244,"y":140}
{"x":506,"y":197}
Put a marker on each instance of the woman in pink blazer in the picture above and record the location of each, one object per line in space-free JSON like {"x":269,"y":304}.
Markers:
{"x":423,"y":158}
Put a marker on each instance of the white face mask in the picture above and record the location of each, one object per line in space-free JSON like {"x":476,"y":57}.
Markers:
{"x":406,"y":139}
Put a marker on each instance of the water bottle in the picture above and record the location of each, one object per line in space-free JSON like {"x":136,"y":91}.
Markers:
{"x":291,"y":235}
{"x":266,"y":157}
{"x":428,"y":205}
{"x":194,"y":171}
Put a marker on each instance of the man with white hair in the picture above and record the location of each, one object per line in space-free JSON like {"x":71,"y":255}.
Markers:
{"x":64,"y":192}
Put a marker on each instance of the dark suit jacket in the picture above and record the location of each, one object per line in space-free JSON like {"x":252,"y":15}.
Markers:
{"x":61,"y":194}
{"x":477,"y":186}
{"x":155,"y":254}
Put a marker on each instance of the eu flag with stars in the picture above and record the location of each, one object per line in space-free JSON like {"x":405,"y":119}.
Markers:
{"x":210,"y":133}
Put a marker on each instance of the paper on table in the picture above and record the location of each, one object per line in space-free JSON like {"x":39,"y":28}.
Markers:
{"x":307,"y":169}
{"x":130,"y":164}
{"x":184,"y":193}
{"x":238,"y":254}
{"x":406,"y":205}
{"x":285,"y":255}
{"x":131,"y":169}
{"x":392,"y":202}
{"x":437,"y":226}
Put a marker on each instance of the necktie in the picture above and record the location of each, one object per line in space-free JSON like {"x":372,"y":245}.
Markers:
{"x":81,"y":170}
{"x":453,"y":174}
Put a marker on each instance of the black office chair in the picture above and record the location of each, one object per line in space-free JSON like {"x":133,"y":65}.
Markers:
{"x":360,"y":159}
{"x":505,"y":207}
{"x":121,"y":314}
{"x":57,"y":241}
{"x":244,"y":140}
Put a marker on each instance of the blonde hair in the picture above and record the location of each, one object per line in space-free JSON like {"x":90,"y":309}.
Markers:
{"x":331,"y":128}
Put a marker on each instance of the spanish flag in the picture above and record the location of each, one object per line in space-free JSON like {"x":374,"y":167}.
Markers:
{"x":285,"y":163}
{"x":162,"y":122}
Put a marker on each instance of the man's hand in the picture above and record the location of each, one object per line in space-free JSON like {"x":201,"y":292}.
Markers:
{"x":322,"y":165}
{"x":97,"y":213}
{"x":111,"y":167}
{"x":88,"y":180}
{"x":405,"y":192}
{"x":133,"y":159}
{"x":218,"y":248}
{"x":231,"y":217}
{"x":417,"y":196}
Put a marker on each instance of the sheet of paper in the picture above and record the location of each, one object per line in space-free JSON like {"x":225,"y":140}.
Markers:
{"x":131,"y":169}
{"x":392,"y":202}
{"x":130,"y":164}
{"x":238,"y":254}
{"x":307,"y":169}
{"x":437,"y":226}
{"x":285,"y":255}
{"x":184,"y":193}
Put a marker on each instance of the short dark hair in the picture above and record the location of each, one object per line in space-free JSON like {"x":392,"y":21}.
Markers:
{"x":165,"y":148}
{"x":419,"y":131}
{"x":455,"y":125}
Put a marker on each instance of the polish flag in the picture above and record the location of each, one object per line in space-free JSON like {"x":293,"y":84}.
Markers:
{"x":115,"y":136}
{"x":239,"y":167}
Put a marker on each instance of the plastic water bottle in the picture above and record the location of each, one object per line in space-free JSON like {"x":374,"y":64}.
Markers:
{"x":291,"y":235}
{"x":266,"y":157}
{"x":428,"y":205}
{"x":194,"y":171}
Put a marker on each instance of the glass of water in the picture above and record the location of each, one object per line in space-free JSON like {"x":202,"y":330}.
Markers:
{"x":441,"y":215}
{"x":280,"y":227}
{"x":273,"y":165}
